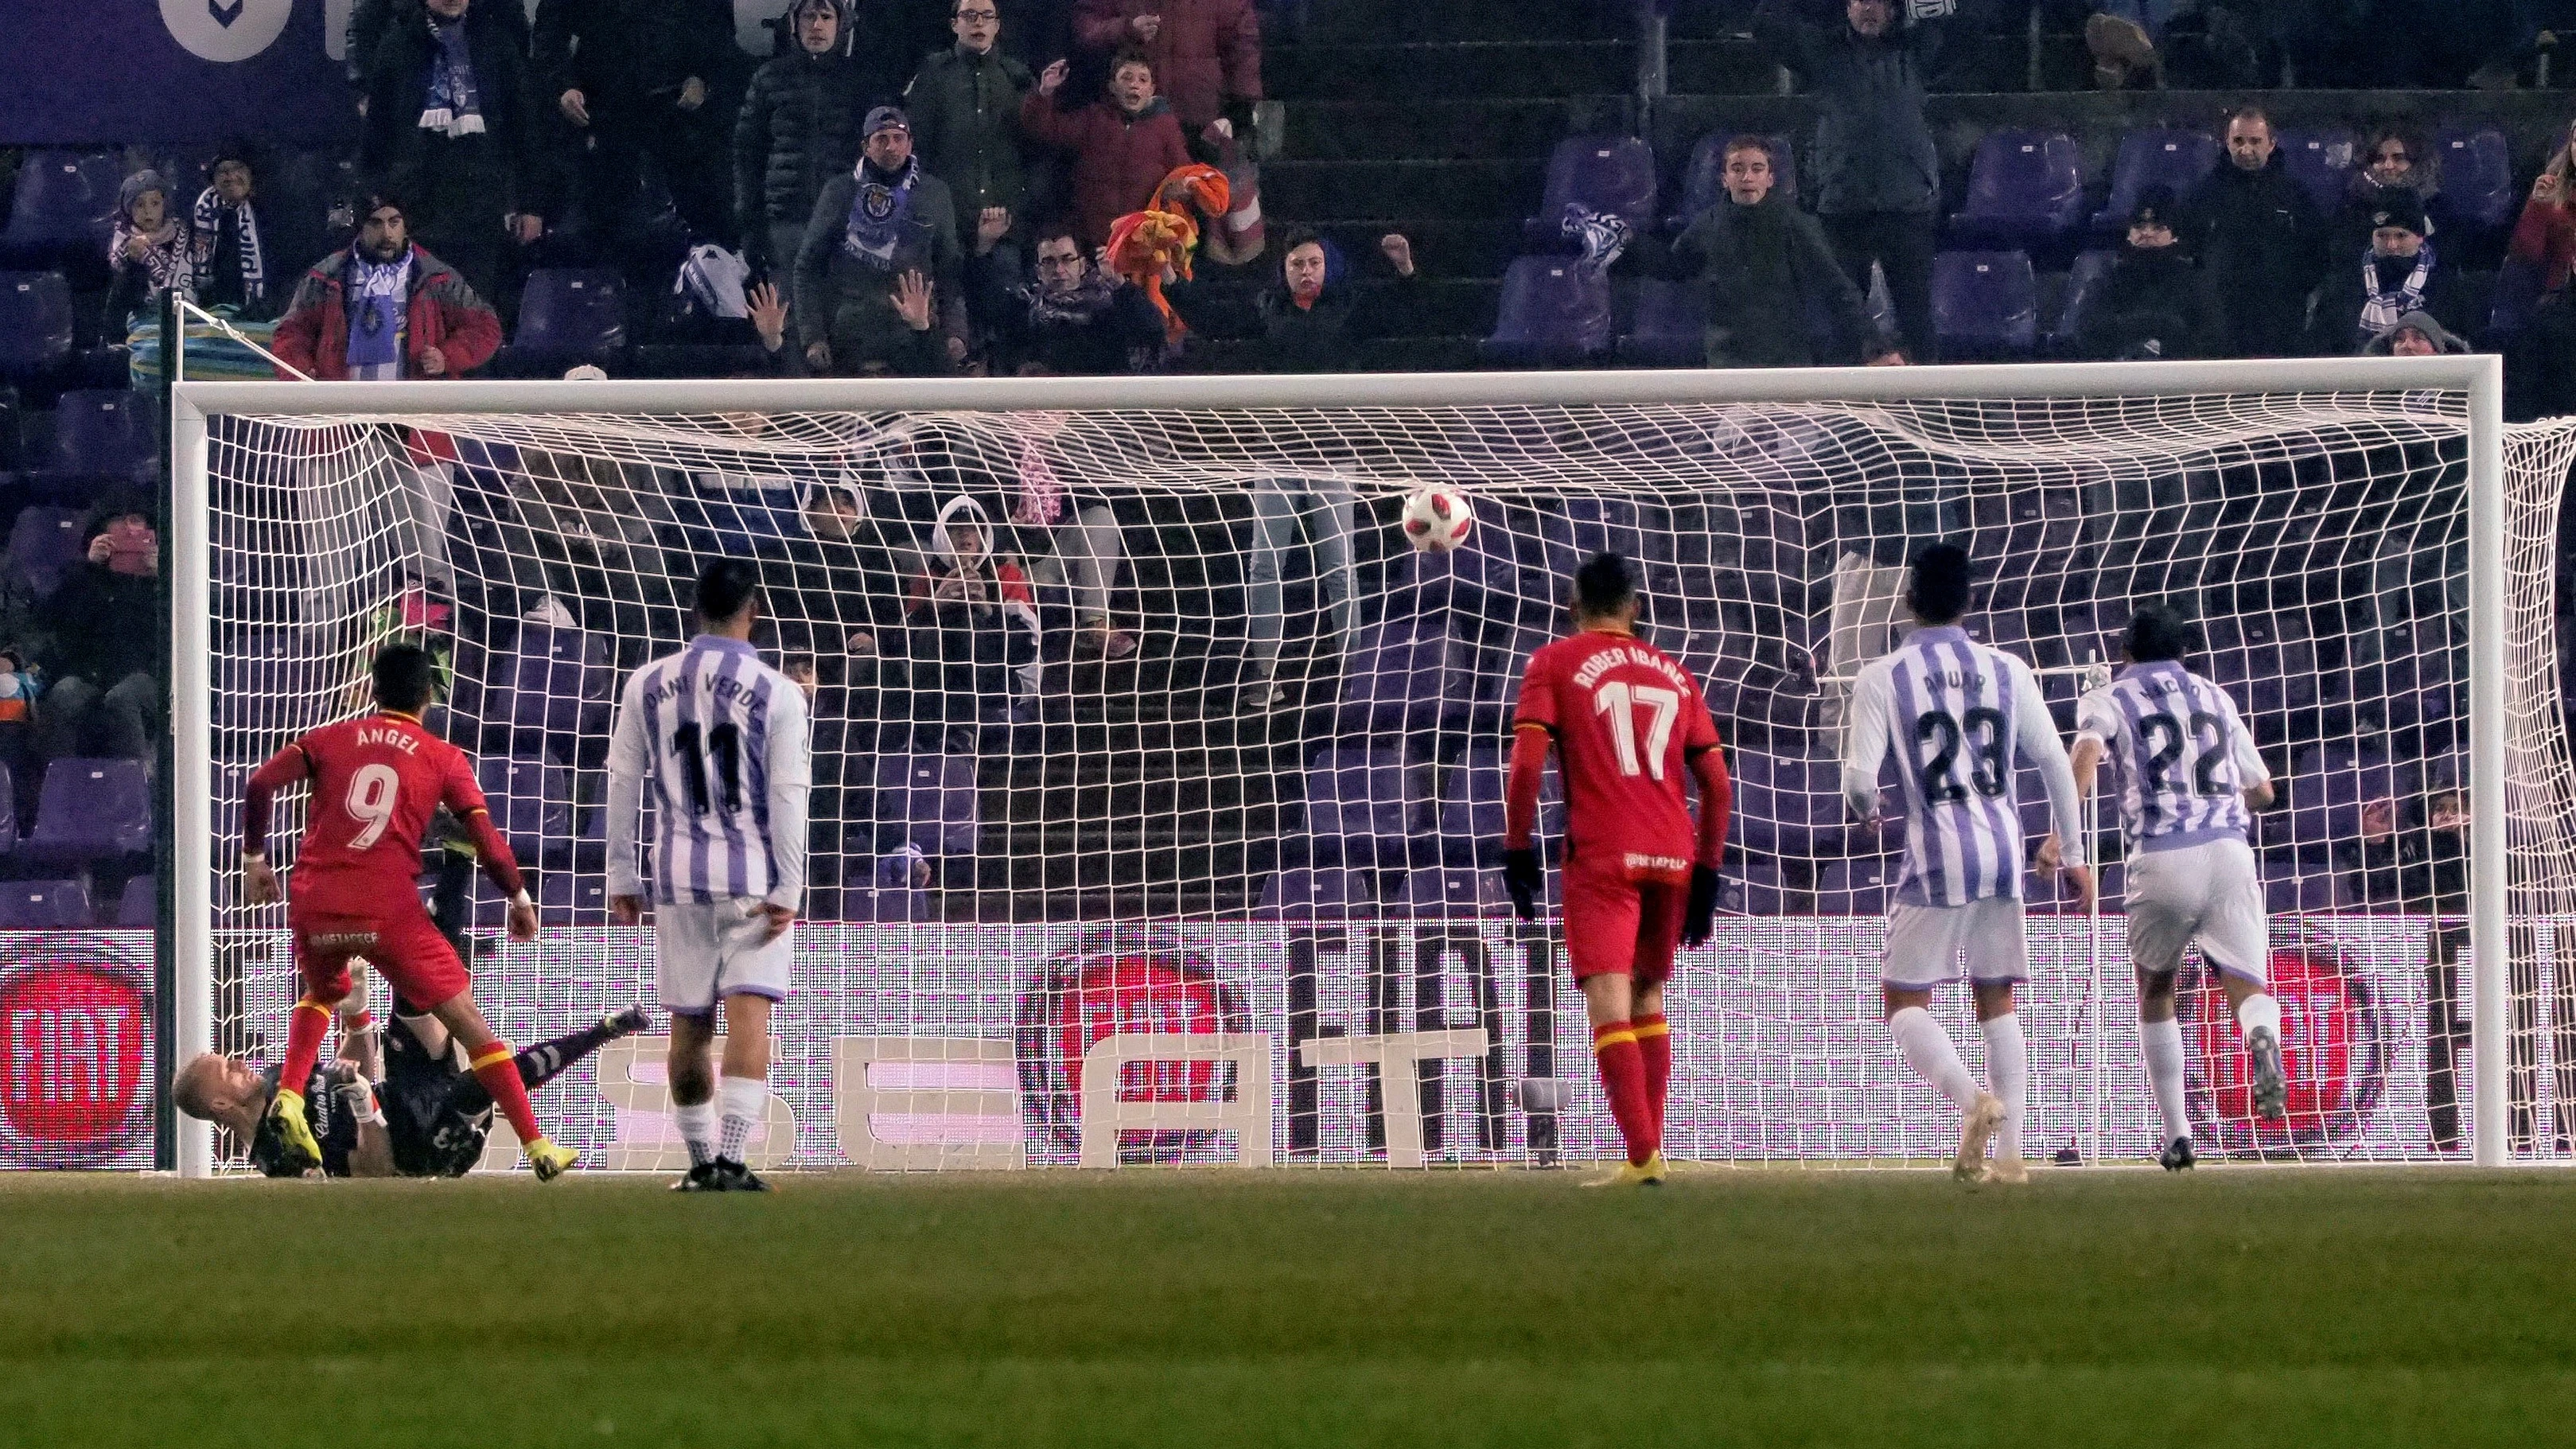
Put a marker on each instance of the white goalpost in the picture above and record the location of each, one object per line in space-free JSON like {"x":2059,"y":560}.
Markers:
{"x":1170,"y":837}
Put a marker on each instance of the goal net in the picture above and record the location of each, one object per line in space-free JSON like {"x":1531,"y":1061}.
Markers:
{"x":1158,"y":782}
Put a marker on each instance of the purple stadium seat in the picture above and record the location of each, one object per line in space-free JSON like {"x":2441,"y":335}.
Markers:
{"x":1462,"y":581}
{"x":530,"y":796}
{"x":2322,"y":161}
{"x":2025,"y":189}
{"x":1471,"y":807}
{"x":1435,"y":893}
{"x":2083,"y":284}
{"x":1362,"y":806}
{"x":566,"y":898}
{"x":2477,"y":192}
{"x":1552,"y":312}
{"x":1749,"y":885}
{"x":2292,"y":890}
{"x":2149,"y":157}
{"x":265,"y":684}
{"x":1985,"y":304}
{"x":1408,"y":674}
{"x":569,"y":310}
{"x":1325,"y":894}
{"x":1643,"y":535}
{"x":1614,"y":174}
{"x":931,"y":798}
{"x":44,"y":905}
{"x":884,"y":905}
{"x":1704,"y":176}
{"x":44,"y":547}
{"x":745,"y":521}
{"x":65,"y":199}
{"x":101,"y":433}
{"x":91,"y":809}
{"x":1856,"y":887}
{"x":1671,"y":329}
{"x":35,"y":322}
{"x":139,"y":908}
{"x":560,"y":681}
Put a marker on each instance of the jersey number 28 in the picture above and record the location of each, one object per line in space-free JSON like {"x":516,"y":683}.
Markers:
{"x":1620,"y":702}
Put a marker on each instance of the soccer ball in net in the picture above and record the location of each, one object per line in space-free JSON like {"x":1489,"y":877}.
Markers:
{"x":1436,"y":520}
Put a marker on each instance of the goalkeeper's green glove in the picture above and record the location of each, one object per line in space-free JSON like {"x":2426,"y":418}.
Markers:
{"x":1701,"y":912}
{"x":1523,"y":878}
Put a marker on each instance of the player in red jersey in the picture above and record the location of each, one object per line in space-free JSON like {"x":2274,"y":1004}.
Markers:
{"x":1626,"y":722}
{"x":377,"y":780}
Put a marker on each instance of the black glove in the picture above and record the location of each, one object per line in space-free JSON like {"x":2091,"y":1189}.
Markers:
{"x":1702,"y":909}
{"x":1523,"y":878}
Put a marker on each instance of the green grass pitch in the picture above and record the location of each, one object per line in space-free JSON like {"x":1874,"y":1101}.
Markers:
{"x":2278,"y":1308}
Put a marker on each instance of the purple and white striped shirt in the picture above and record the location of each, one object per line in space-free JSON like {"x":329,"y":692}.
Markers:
{"x":1955,"y":714}
{"x":722,"y":741}
{"x":2184,"y":758}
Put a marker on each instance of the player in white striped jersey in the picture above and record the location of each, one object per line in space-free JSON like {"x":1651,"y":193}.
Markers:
{"x":719,"y":742}
{"x":1955,"y":714}
{"x":2188,"y":775}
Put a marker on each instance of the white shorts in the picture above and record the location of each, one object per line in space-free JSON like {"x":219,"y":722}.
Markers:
{"x":1924,"y":943}
{"x":705,"y":951}
{"x":2211,"y":893}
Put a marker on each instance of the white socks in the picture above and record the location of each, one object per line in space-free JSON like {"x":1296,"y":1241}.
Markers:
{"x":698,"y":1129}
{"x":743,"y":1097}
{"x":2008,"y":1077}
{"x":1929,"y":1051}
{"x":2259,"y":1010}
{"x":2161,"y":1043}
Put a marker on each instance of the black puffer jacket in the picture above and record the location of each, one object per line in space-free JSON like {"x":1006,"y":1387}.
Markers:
{"x":623,"y":54}
{"x":799,"y":129}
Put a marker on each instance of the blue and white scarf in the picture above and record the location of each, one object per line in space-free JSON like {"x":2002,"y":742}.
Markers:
{"x":2380,"y":310}
{"x":379,"y":295}
{"x":455,"y":106}
{"x":209,"y":218}
{"x":880,"y":215}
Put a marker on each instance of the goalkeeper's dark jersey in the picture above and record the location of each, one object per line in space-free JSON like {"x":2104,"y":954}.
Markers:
{"x":334,"y":1126}
{"x":436,"y":1115}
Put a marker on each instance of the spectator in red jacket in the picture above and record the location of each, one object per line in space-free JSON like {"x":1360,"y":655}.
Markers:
{"x":1123,"y":146}
{"x":385,"y":310}
{"x":1208,"y":52}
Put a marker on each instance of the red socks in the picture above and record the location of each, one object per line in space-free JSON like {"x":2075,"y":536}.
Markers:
{"x":1655,"y":1044}
{"x":1623,"y":1079}
{"x":305,"y":1027}
{"x":497,"y":1068}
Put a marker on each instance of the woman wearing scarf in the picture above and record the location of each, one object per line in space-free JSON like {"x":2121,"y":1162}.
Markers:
{"x":2392,"y":162}
{"x":232,"y":262}
{"x":149,"y":251}
{"x":2398,"y":273}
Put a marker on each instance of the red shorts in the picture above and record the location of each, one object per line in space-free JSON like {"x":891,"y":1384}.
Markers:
{"x":405,"y":949}
{"x":1614,"y":924}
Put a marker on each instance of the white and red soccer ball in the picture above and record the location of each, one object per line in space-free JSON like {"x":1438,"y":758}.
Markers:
{"x":1437,"y":519}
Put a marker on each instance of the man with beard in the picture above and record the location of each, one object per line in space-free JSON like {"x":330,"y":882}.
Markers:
{"x":385,"y":310}
{"x":882,"y":243}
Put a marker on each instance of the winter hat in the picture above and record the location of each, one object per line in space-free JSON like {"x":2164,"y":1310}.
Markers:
{"x":2400,"y":208}
{"x":133,"y":191}
{"x":2157,"y":206}
{"x":2444,"y":340}
{"x":886,"y":118}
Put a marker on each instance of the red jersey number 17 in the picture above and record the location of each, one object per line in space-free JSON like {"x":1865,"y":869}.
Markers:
{"x":1622,"y":702}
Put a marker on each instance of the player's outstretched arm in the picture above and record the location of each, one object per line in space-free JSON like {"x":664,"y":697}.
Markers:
{"x":2250,"y":769}
{"x":628,"y":753}
{"x":2085,"y":761}
{"x":1522,"y":874}
{"x":259,"y":798}
{"x":464,"y":800}
{"x":1716,"y":804}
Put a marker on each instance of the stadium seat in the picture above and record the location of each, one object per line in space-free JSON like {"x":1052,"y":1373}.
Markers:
{"x":931,"y":799}
{"x":1406,"y":675}
{"x":2478,"y":195}
{"x":570,"y":898}
{"x":1324,"y":894}
{"x":102,"y":433}
{"x":1985,"y":304}
{"x":1749,"y":885}
{"x":2289,"y":890}
{"x":2320,"y":160}
{"x":1553,"y":312}
{"x":35,"y":323}
{"x":1471,"y":807}
{"x":2025,"y":189}
{"x":44,"y":905}
{"x":570,"y":311}
{"x":1704,"y":175}
{"x":1671,"y":328}
{"x":744,"y":522}
{"x":44,"y":547}
{"x":91,"y":809}
{"x":65,"y":203}
{"x":2150,"y":157}
{"x":1856,"y":887}
{"x":560,"y":681}
{"x":530,"y":796}
{"x":1643,"y":535}
{"x":884,"y":905}
{"x":1613,"y":174}
{"x":139,"y":907}
{"x":266,"y":688}
{"x":2083,"y":284}
{"x":2327,"y":787}
{"x":1432,"y":894}
{"x":1363,"y":806}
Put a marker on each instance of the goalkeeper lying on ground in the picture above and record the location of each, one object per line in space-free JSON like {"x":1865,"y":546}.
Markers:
{"x":412,"y":1110}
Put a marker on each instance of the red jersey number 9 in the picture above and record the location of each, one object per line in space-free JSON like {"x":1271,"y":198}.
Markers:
{"x":1620,"y":702}
{"x":372,"y":792}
